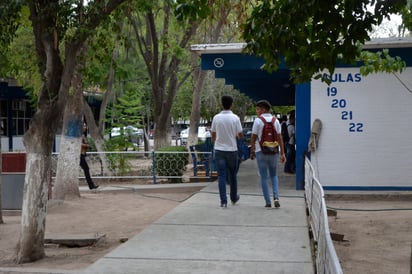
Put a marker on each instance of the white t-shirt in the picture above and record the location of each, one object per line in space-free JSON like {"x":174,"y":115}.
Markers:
{"x":258,"y":126}
{"x":227,"y":126}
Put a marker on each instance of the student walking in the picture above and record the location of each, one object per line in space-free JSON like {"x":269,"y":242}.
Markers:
{"x":267,"y":163}
{"x":226,"y":128}
{"x":83,"y":162}
{"x":290,"y":165}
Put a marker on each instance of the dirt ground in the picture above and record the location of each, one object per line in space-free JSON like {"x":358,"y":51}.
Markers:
{"x":377,"y":232}
{"x":118,"y":215}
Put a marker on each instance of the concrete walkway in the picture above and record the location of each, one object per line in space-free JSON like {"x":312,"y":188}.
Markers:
{"x":200,"y":237}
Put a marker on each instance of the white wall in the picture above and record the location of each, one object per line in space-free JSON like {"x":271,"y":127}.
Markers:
{"x":366,"y":138}
{"x":18,"y":145}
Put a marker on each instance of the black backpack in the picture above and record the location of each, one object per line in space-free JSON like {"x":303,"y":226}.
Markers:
{"x":269,"y":142}
{"x":285,"y":133}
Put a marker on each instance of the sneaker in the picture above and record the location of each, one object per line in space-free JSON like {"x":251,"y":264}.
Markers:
{"x":268,"y":205}
{"x":277,"y":204}
{"x":237,"y":199}
{"x":223,"y":205}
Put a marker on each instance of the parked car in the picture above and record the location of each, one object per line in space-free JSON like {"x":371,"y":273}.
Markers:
{"x":202,"y":134}
{"x":134,"y":135}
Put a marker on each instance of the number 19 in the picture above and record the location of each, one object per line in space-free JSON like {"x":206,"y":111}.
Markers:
{"x":332,"y":91}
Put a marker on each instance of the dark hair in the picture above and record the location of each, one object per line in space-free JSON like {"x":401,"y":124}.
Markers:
{"x":227,"y":101}
{"x":263,"y":104}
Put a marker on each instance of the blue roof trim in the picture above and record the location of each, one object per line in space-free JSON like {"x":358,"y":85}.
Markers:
{"x":12,"y":92}
{"x":234,"y":61}
{"x":404,"y":53}
{"x":245,"y":73}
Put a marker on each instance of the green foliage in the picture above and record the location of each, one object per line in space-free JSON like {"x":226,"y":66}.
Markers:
{"x":119,"y":163}
{"x":171,"y":164}
{"x":21,"y":62}
{"x":127,"y":109}
{"x":9,"y":23}
{"x":126,"y":112}
{"x":99,"y":57}
{"x":380,"y":61}
{"x":120,"y":143}
{"x":191,"y":9}
{"x":183,"y":102}
{"x":283,"y":110}
{"x":406,"y":13}
{"x":312,"y":36}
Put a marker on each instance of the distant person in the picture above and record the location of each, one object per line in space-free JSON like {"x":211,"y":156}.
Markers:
{"x":290,"y":165}
{"x":83,"y":162}
{"x":225,"y":129}
{"x":284,"y":131}
{"x":267,"y":163}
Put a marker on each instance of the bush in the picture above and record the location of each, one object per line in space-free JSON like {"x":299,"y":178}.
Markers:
{"x":171,"y":164}
{"x":119,"y":163}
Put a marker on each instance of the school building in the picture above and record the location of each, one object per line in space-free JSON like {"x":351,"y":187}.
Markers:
{"x":16,"y":110}
{"x":364,"y":139}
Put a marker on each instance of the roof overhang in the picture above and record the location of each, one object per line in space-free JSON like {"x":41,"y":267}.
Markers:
{"x":218,"y":48}
{"x":245,"y":73}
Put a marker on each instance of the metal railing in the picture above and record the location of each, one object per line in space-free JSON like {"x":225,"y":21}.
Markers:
{"x":149,"y":166}
{"x":327,"y":262}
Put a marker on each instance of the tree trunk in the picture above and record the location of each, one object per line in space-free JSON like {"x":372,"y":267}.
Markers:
{"x":199,"y":76}
{"x":97,"y":132}
{"x":67,"y":176}
{"x":161,"y":134}
{"x":38,"y":141}
{"x":162,"y":64}
{"x":52,"y":98}
{"x":198,"y":79}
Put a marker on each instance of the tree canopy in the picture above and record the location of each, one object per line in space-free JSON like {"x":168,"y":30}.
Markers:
{"x":312,"y":36}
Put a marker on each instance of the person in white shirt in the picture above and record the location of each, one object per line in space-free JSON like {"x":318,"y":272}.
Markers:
{"x":267,"y":163}
{"x":226,"y":128}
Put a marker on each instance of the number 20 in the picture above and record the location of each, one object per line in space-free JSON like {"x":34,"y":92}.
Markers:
{"x":355,"y":127}
{"x":336,"y":103}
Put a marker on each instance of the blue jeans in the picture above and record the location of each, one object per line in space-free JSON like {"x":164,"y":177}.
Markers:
{"x":227,"y":164}
{"x":267,"y":169}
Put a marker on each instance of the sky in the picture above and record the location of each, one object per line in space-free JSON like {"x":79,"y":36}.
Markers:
{"x":389,"y":27}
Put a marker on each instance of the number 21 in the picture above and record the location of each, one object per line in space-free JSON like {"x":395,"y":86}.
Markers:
{"x":346,"y":115}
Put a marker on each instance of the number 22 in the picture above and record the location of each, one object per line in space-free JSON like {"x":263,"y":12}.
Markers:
{"x":356,"y":127}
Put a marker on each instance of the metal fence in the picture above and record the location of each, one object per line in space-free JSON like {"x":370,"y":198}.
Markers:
{"x":149,"y":166}
{"x":327,"y":262}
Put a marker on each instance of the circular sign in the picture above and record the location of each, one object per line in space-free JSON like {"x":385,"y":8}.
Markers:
{"x":219,"y":62}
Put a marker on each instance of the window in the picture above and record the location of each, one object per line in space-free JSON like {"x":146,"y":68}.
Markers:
{"x":20,"y":112}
